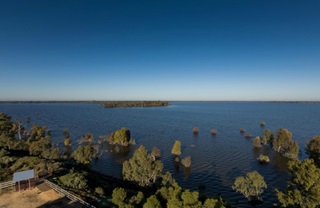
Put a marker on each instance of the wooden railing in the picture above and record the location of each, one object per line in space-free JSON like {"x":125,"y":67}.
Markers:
{"x":7,"y":184}
{"x":67,"y":194}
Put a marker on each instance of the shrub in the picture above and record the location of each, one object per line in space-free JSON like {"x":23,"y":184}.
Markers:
{"x":250,"y":186}
{"x":248,"y":136}
{"x":257,"y":142}
{"x":74,"y":180}
{"x":214,"y":131}
{"x":118,"y":196}
{"x":176,"y":149}
{"x":313,"y":149}
{"x":267,"y":136}
{"x":99,"y":191}
{"x":263,"y":159}
{"x":195,"y":130}
{"x":262,"y":123}
{"x":186,"y":162}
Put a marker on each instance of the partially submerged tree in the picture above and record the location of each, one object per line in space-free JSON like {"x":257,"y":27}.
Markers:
{"x":283,"y":144}
{"x":186,"y":162}
{"x":257,"y":142}
{"x":313,"y":149}
{"x":250,"y":186}
{"x":142,"y":168}
{"x":120,"y":137}
{"x":84,"y":154}
{"x":267,"y":136}
{"x":176,"y":149}
{"x":303,"y":188}
{"x":263,"y":159}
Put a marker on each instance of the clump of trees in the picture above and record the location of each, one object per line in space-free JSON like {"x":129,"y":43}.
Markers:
{"x":313,"y":149}
{"x":128,"y":104}
{"x":257,"y":142}
{"x":267,"y":137}
{"x":251,"y":186}
{"x":85,"y":154}
{"x":283,"y":144}
{"x":142,"y":168}
{"x":303,"y":187}
{"x":263,"y":159}
{"x":74,"y":180}
{"x":120,"y":137}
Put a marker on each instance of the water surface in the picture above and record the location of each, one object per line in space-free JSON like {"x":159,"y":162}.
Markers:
{"x":216,"y":160}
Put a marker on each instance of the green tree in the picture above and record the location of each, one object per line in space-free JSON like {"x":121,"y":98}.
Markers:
{"x":282,"y":141}
{"x":176,"y":149}
{"x":156,"y":152}
{"x":190,"y":199}
{"x":142,"y":168}
{"x":303,"y":188}
{"x":137,"y":199}
{"x":84,"y":154}
{"x":6,"y":125}
{"x":67,"y":140}
{"x":186,"y":162}
{"x":257,"y":142}
{"x":283,"y":144}
{"x":121,"y":137}
{"x":74,"y":180}
{"x":118,"y":196}
{"x":210,"y":203}
{"x":267,"y":136}
{"x":250,"y":186}
{"x":152,"y":202}
{"x":313,"y":149}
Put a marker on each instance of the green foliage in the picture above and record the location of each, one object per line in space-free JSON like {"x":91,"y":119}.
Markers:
{"x":118,"y":196}
{"x":250,"y":186}
{"x":142,"y":168}
{"x":84,"y":154}
{"x":36,"y":133}
{"x":67,"y":140}
{"x":118,"y":104}
{"x":263,"y":159}
{"x":262,"y":123}
{"x":39,"y":146}
{"x":121,"y":137}
{"x":186,"y":162}
{"x":303,"y":188}
{"x":152,"y":202}
{"x":176,"y":149}
{"x":267,"y":136}
{"x":293,"y":151}
{"x":137,"y":199}
{"x":313,"y":149}
{"x":74,"y":180}
{"x":210,"y":203}
{"x":99,"y":191}
{"x":6,"y":125}
{"x":190,"y":199}
{"x":257,"y":142}
{"x":38,"y":164}
{"x":283,"y":144}
{"x":156,"y":152}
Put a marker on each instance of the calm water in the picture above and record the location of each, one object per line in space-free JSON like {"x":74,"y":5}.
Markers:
{"x":216,"y":160}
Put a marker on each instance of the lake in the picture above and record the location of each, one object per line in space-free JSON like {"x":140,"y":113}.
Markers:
{"x":216,"y":160}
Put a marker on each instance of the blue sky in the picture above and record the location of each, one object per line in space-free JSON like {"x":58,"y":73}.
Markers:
{"x":160,"y":50}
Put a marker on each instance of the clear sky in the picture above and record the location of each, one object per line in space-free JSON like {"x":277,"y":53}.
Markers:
{"x":160,"y":50}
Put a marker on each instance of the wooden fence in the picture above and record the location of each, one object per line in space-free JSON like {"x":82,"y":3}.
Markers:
{"x":67,"y":194}
{"x":7,"y":184}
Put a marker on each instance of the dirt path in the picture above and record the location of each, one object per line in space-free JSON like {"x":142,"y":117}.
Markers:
{"x":33,"y":198}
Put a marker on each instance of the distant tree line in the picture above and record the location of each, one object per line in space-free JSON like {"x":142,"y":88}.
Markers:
{"x":126,"y":104}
